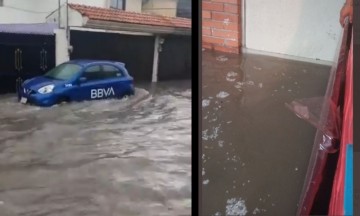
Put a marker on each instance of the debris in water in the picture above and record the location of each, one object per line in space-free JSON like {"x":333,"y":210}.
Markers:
{"x":203,"y":171}
{"x":250,"y":82}
{"x":295,"y":83}
{"x":243,"y":164}
{"x":272,"y":204}
{"x":1,"y":202}
{"x":221,"y":143}
{"x":221,"y":58}
{"x":296,"y":169}
{"x":231,"y":76}
{"x":203,"y":49}
{"x":228,"y":122}
{"x":205,"y":102}
{"x":289,"y":90}
{"x":248,"y":181}
{"x":256,"y":210}
{"x":282,"y":87}
{"x":235,"y":207}
{"x":204,"y":134}
{"x":205,"y":182}
{"x":257,"y":68}
{"x":217,"y":214}
{"x":260,"y":85}
{"x":222,"y":94}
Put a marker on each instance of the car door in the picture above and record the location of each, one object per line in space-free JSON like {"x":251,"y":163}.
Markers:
{"x":115,"y":79}
{"x":94,"y":85}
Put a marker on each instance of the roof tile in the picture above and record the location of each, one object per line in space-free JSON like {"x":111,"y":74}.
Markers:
{"x":116,"y":15}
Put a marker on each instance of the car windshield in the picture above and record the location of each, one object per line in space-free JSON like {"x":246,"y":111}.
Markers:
{"x":63,"y":72}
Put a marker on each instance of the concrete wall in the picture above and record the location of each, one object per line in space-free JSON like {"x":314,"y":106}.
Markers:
{"x":302,"y":28}
{"x":161,"y":7}
{"x":133,"y":5}
{"x":36,"y":11}
{"x":221,"y":26}
{"x":61,"y":52}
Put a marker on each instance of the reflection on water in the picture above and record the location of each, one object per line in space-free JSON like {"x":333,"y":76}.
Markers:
{"x":255,"y":151}
{"x":112,"y":157}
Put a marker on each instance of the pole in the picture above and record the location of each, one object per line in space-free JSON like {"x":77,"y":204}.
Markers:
{"x":59,"y":16}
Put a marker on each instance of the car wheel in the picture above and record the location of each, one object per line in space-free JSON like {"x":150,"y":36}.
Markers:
{"x":62,"y":100}
{"x":125,"y":97}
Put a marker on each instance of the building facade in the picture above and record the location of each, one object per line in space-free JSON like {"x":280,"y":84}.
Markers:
{"x":36,"y":37}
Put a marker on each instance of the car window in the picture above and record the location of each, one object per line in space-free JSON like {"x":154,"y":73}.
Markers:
{"x":93,"y":73}
{"x":111,"y":71}
{"x":63,"y":72}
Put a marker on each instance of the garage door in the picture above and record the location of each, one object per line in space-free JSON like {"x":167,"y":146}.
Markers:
{"x":135,"y":51}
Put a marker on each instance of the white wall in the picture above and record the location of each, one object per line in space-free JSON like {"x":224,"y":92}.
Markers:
{"x":35,"y":11}
{"x":302,"y":28}
{"x":62,"y":54}
{"x":161,"y":7}
{"x":133,"y":5}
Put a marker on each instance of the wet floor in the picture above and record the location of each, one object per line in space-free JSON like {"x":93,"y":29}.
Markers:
{"x":109,"y":158}
{"x":255,"y":151}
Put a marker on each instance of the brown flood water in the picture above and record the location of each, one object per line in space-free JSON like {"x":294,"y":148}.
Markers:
{"x":255,"y":151}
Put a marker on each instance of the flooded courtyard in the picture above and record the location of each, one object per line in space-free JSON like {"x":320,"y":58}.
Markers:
{"x":110,"y":158}
{"x":255,"y":152}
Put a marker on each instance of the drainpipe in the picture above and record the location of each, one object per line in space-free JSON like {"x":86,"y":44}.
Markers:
{"x":157,"y":48}
{"x":243,"y":8}
{"x":69,"y":47}
{"x":59,"y":16}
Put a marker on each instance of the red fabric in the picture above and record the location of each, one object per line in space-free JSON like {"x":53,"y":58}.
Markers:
{"x":337,"y":198}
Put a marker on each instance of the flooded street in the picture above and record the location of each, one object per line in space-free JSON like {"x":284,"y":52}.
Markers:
{"x":109,"y":158}
{"x":255,"y":151}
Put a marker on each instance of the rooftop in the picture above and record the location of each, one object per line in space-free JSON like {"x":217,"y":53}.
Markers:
{"x":115,"y":15}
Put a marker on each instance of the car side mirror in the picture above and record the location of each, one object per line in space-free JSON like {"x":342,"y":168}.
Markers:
{"x":82,"y":79}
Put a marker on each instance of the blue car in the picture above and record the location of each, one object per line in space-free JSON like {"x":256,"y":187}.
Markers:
{"x":78,"y":80}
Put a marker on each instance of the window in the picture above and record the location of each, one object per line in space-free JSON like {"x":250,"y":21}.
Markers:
{"x":111,"y":72}
{"x":117,"y":4}
{"x":184,"y":9}
{"x":63,"y":72}
{"x":93,"y":73}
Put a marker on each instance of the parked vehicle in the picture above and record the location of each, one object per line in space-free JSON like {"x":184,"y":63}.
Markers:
{"x":77,"y":80}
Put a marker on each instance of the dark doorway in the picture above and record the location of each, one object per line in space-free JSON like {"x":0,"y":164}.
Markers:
{"x":175,"y":58}
{"x":135,"y":51}
{"x":23,"y":57}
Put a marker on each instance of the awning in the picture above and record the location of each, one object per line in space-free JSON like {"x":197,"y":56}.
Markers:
{"x":34,"y":28}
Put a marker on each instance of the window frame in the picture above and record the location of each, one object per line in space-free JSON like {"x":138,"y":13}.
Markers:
{"x":85,"y":72}
{"x":123,"y":6}
{"x":117,"y":68}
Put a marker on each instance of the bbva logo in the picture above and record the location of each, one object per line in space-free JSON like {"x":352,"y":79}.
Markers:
{"x":99,"y":93}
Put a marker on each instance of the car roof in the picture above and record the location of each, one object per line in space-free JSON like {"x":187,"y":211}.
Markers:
{"x":86,"y":62}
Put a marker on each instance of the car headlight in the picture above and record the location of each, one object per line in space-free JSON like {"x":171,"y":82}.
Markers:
{"x":46,"y":89}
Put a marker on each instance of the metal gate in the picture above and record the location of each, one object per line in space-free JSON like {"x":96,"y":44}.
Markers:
{"x":175,"y":58}
{"x":137,"y":52}
{"x":23,"y":57}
